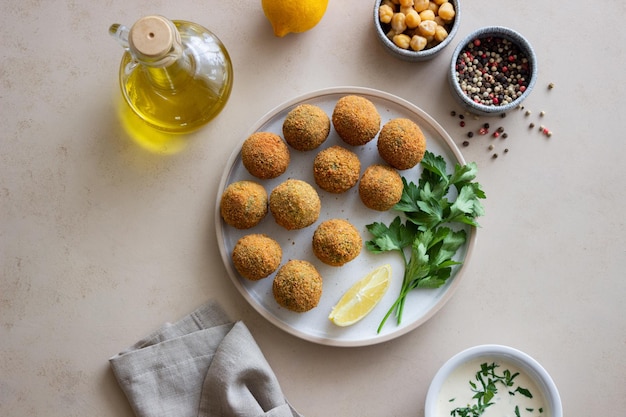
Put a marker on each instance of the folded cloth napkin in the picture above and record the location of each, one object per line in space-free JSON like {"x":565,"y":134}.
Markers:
{"x":203,"y":365}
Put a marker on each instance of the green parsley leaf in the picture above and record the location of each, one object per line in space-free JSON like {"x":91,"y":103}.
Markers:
{"x":424,"y":239}
{"x":524,"y":392}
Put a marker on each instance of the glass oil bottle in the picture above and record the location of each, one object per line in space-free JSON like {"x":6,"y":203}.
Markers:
{"x":175,"y":75}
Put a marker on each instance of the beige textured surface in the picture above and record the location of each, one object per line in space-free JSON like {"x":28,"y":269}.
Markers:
{"x":102,"y":241}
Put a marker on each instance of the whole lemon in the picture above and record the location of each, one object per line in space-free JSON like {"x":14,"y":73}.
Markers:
{"x":289,"y":16}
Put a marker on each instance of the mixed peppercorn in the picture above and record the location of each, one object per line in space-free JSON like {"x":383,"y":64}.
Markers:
{"x":492,"y":71}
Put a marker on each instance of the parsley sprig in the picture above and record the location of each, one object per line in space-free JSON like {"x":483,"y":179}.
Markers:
{"x":425,"y":240}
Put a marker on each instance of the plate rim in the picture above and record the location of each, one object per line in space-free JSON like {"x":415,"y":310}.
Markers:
{"x":367,"y":91}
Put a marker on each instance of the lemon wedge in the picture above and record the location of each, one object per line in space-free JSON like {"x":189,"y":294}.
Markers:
{"x":362,"y":297}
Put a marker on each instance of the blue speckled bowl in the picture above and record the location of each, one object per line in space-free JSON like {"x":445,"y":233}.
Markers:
{"x":408,"y":54}
{"x":498,"y":32}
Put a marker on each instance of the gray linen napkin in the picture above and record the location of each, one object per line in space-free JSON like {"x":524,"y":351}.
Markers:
{"x":203,"y":365}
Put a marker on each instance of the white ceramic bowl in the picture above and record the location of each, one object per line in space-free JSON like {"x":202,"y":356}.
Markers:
{"x":498,"y":354}
{"x":492,"y":32}
{"x":408,"y":54}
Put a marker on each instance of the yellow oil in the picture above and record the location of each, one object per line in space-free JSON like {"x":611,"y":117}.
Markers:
{"x":170,"y":101}
{"x":149,"y":138}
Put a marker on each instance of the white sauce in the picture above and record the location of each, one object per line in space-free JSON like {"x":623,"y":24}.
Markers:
{"x":457,"y":392}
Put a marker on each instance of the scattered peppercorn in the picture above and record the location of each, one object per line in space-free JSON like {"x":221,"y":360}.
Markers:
{"x":504,"y":136}
{"x":465,"y":143}
{"x":543,"y":113}
{"x":527,"y":113}
{"x":506,"y":150}
{"x":490,"y":147}
{"x":551,"y":86}
{"x":503,"y":115}
{"x":496,"y":134}
{"x":482,"y":131}
{"x":495,"y":155}
{"x":470,"y":134}
{"x":462,"y":123}
{"x":531,"y":125}
{"x":500,"y":129}
{"x":452,"y":113}
{"x":486,"y":125}
{"x":461,"y":117}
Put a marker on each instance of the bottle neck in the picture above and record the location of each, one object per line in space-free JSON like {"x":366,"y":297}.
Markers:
{"x":155,"y":43}
{"x":170,"y":73}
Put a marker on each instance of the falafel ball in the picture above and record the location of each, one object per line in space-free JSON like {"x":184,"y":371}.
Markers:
{"x":401,"y":143}
{"x":256,"y":256}
{"x":295,"y":204}
{"x":380,"y":187}
{"x":297,"y":286}
{"x":306,"y":127}
{"x":336,"y":242}
{"x":356,"y":120}
{"x":265,"y":155}
{"x":336,"y":169}
{"x":244,"y":204}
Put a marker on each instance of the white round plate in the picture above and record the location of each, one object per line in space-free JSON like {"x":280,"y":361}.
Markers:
{"x":314,"y":325}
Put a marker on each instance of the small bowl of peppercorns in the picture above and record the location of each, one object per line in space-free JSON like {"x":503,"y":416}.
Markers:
{"x":416,"y":30}
{"x":492,"y":71}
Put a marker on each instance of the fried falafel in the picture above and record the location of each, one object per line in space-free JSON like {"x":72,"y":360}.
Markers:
{"x":380,"y":187}
{"x":297,"y":286}
{"x":356,"y":120}
{"x":306,"y":127}
{"x":401,"y":143}
{"x":336,"y":242}
{"x":256,"y":256}
{"x":295,"y":204}
{"x":265,"y":155}
{"x":244,"y":204}
{"x":336,"y":169}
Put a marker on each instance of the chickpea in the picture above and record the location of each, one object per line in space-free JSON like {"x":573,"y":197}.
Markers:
{"x":421,"y":5}
{"x":398,"y":23}
{"x":446,"y":12}
{"x":406,"y":10}
{"x":440,"y":33}
{"x":427,"y":15}
{"x":416,"y":24}
{"x":412,"y":19}
{"x":385,"y":13}
{"x":427,"y":28}
{"x":402,"y":41}
{"x":418,"y":43}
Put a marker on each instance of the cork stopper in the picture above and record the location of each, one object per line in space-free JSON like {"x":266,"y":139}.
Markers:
{"x":152,"y":37}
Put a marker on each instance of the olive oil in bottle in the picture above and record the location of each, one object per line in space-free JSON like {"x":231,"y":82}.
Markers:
{"x":175,"y":75}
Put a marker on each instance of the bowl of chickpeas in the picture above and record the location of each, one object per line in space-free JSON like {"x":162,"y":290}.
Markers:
{"x":416,"y":30}
{"x":492,"y":71}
